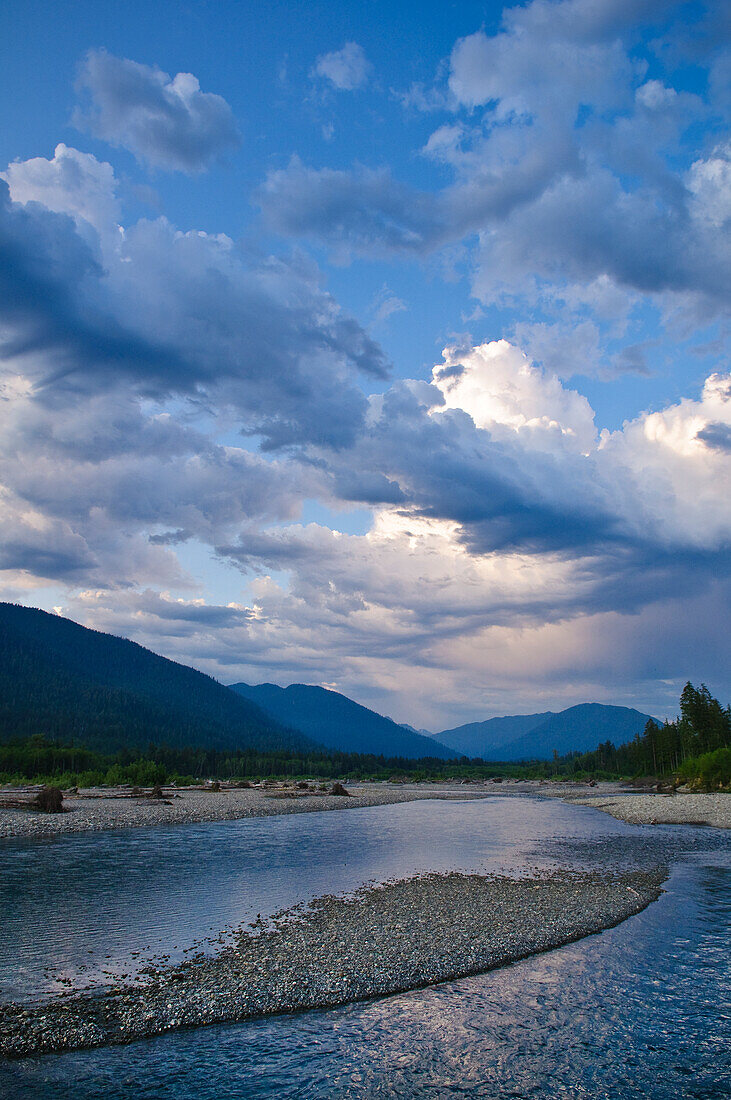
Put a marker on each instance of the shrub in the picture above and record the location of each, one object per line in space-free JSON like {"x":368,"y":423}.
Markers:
{"x":708,"y":772}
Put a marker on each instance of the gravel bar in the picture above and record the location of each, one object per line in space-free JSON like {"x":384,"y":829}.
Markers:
{"x":381,"y":940}
{"x":681,"y":808}
{"x":97,"y":812}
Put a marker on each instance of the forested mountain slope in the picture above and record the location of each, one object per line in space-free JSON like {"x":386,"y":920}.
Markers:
{"x":68,"y":682}
{"x":340,"y":723}
{"x":578,"y":729}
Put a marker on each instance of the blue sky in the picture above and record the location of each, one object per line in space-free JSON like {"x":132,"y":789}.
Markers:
{"x":237,"y":240}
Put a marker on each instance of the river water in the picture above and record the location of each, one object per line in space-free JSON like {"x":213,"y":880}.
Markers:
{"x":641,"y":1010}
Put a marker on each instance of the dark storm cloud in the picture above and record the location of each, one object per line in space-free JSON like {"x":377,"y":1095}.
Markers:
{"x":38,"y":557}
{"x":181,"y":314}
{"x":171,"y":538}
{"x":168,"y":122}
{"x":444,"y":467}
{"x":45,"y":269}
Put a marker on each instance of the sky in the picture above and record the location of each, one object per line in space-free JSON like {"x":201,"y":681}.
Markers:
{"x":382,"y":347}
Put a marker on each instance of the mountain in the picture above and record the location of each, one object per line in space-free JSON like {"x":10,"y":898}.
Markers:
{"x":67,"y":682}
{"x":578,"y":729}
{"x":337,"y":722}
{"x":484,"y":738}
{"x":536,"y":736}
{"x":413,"y":729}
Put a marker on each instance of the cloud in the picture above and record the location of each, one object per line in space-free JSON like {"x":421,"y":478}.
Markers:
{"x":346,"y":69}
{"x":494,"y":445}
{"x":124,"y":352}
{"x":511,"y":456}
{"x":717,"y":436}
{"x":70,"y":183}
{"x":169,"y":123}
{"x":96,"y":488}
{"x":584,"y":228}
{"x":385,"y":304}
{"x":655,"y":95}
{"x":499,"y":388}
{"x":364,"y":211}
{"x":569,"y":350}
{"x":178,"y":314}
{"x":709,"y":181}
{"x":569,"y":169}
{"x":524,"y":71}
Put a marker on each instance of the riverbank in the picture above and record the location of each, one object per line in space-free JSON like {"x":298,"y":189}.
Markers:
{"x":95,"y":811}
{"x":381,"y":940}
{"x":652,"y":808}
{"x":99,"y":810}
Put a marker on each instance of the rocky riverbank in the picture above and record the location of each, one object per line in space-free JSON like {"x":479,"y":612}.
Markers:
{"x":94,"y":811}
{"x":103,"y":809}
{"x":379,"y":941}
{"x":651,"y":808}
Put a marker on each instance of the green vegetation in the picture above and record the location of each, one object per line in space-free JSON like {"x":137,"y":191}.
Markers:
{"x":679,"y":748}
{"x":695,"y":749}
{"x":41,"y":760}
{"x":709,"y":772}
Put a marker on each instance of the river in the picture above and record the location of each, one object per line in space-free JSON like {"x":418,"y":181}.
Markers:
{"x":637,"y":1011}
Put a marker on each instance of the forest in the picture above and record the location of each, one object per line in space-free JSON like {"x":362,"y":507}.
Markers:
{"x":697,"y":742}
{"x":79,"y":686}
{"x":694,"y":749}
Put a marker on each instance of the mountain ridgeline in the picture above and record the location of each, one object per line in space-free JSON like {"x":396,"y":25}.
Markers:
{"x":477,"y":738}
{"x":538,"y":736}
{"x":75,"y":687}
{"x":69,"y":683}
{"x":340,"y":723}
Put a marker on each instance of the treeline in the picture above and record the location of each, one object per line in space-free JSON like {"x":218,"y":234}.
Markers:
{"x":40,"y":759}
{"x":695,"y":748}
{"x":703,"y":729}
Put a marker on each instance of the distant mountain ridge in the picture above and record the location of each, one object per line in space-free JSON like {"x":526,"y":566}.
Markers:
{"x":71,"y":683}
{"x":580,"y":728}
{"x":339,"y":723}
{"x":476,"y":738}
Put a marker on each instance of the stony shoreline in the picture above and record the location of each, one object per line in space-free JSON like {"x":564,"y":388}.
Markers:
{"x":381,"y":940}
{"x":97,"y":811}
{"x":188,"y":806}
{"x":681,"y":808}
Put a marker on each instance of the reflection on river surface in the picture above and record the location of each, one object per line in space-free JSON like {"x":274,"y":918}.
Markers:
{"x":83,"y":905}
{"x":637,"y":1011}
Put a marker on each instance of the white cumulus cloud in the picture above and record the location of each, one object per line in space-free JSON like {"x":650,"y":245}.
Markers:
{"x":346,"y":69}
